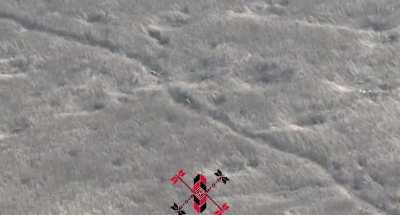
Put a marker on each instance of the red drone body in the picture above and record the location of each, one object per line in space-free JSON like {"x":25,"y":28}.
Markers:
{"x":199,"y":193}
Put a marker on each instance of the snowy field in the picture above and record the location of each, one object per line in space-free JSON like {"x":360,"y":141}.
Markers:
{"x":297,"y":101}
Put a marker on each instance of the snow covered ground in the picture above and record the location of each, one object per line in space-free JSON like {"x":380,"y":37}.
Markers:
{"x":297,"y":101}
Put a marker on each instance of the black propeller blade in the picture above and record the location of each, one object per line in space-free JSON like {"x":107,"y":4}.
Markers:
{"x":174,"y":207}
{"x":223,"y":178}
{"x":218,"y":173}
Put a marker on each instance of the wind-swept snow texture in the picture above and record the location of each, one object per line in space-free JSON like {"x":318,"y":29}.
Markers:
{"x":297,"y":101}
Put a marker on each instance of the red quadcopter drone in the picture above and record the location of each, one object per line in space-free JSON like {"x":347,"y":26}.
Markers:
{"x":199,"y":193}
